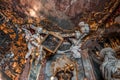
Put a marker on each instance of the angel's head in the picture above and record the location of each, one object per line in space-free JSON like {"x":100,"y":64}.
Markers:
{"x":84,"y":27}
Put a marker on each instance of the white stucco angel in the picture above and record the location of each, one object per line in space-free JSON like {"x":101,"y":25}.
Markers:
{"x":76,"y":47}
{"x":33,"y":41}
{"x":111,"y":65}
{"x":76,"y":43}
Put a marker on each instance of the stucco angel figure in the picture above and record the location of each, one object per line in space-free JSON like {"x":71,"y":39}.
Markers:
{"x":76,"y":47}
{"x":76,"y":43}
{"x":111,"y":65}
{"x":33,"y":41}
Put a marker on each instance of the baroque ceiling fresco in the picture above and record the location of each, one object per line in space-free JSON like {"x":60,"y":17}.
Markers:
{"x":59,"y":39}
